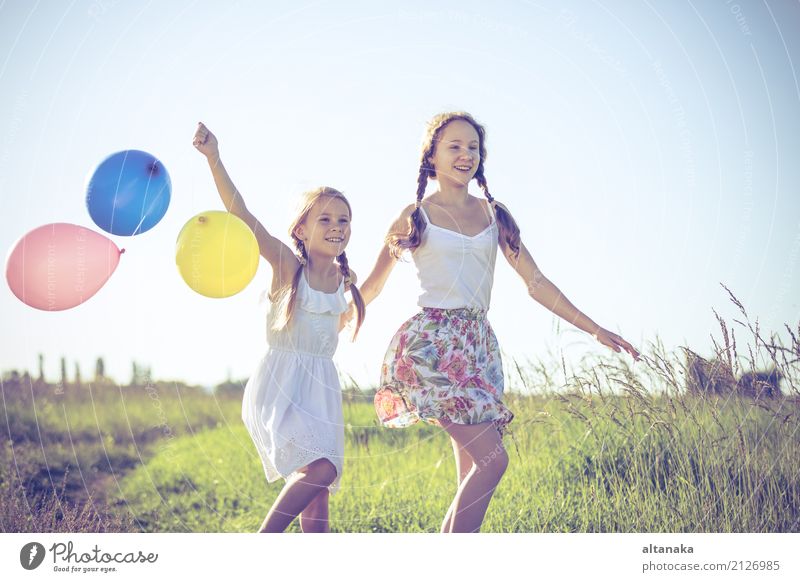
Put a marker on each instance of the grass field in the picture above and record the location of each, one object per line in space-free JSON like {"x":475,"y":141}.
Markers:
{"x":729,"y":471}
{"x":603,"y":448}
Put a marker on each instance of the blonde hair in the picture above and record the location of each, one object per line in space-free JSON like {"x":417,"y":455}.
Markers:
{"x":508,"y":229}
{"x":288,"y":294}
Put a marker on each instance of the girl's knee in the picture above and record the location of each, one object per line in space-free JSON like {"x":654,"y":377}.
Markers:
{"x":495,"y":462}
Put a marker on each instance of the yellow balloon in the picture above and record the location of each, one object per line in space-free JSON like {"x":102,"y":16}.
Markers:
{"x":217,"y":254}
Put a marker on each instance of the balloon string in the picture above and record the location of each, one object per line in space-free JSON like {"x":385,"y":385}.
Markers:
{"x":147,"y":212}
{"x":146,"y":190}
{"x":140,"y":223}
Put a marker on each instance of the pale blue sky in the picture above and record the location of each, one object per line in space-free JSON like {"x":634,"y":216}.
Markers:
{"x":648,"y":151}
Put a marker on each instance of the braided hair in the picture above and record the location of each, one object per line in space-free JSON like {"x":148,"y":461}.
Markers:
{"x":508,"y":229}
{"x":344,"y":269}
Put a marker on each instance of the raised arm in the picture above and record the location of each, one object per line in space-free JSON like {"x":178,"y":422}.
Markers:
{"x":542,"y":290}
{"x":283,"y":261}
{"x":374,"y":283}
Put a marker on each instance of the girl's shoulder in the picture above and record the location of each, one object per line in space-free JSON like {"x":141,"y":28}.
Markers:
{"x":400,"y":223}
{"x":490,"y":205}
{"x":407,"y":211}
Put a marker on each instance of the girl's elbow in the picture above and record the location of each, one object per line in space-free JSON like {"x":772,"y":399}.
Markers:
{"x":537,"y":284}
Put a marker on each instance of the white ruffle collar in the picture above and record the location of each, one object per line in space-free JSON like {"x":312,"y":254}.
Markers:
{"x":318,"y":301}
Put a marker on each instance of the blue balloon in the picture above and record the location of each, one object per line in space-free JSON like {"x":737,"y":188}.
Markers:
{"x":128,"y":193}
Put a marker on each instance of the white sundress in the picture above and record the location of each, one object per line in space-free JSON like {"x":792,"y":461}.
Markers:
{"x":292,"y":404}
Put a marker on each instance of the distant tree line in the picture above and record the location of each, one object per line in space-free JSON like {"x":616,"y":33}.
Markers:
{"x":141,"y":375}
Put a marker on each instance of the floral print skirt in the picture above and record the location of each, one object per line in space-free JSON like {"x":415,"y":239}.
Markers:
{"x":443,"y":364}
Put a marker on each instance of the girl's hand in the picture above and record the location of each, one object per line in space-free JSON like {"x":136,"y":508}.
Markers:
{"x":206,"y":142}
{"x":615,"y":342}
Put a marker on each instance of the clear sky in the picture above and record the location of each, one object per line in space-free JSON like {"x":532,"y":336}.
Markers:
{"x":649,"y":151}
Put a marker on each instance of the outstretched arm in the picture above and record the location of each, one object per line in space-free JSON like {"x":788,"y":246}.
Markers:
{"x":374,"y":283}
{"x":283,"y":261}
{"x":542,"y":290}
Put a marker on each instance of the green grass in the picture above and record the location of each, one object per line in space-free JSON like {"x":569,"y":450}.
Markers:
{"x":700,"y":473}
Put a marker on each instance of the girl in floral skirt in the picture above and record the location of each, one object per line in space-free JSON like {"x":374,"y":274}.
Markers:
{"x":443,"y":365}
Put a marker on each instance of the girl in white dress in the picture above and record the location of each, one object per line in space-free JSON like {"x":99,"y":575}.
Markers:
{"x":292,"y":404}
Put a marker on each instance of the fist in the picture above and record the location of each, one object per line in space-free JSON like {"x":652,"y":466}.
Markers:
{"x":205,"y":142}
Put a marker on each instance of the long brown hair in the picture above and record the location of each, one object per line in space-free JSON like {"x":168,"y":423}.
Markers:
{"x":288,"y":294}
{"x":508,"y":229}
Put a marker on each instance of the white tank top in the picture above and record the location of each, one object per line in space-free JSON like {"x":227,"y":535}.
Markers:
{"x":455,"y":270}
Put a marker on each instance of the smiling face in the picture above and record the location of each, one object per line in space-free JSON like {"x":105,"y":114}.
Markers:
{"x":456,"y":153}
{"x":326,"y":228}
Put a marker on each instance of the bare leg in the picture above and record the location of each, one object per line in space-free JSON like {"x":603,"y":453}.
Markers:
{"x":314,"y":518}
{"x":463,"y":466}
{"x":485,"y":447}
{"x":297,"y":494}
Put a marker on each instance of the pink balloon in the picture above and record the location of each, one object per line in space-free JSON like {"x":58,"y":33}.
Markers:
{"x":58,"y":266}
